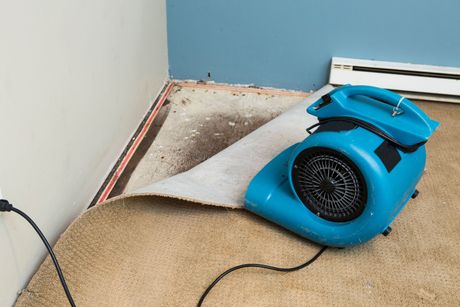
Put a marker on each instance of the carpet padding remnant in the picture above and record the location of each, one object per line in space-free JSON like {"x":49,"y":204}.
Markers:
{"x":162,"y":251}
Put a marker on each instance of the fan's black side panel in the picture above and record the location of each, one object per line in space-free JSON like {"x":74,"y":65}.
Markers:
{"x":388,"y":154}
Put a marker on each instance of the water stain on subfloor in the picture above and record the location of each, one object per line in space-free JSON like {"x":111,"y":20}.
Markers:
{"x":199,"y":124}
{"x":217,"y":134}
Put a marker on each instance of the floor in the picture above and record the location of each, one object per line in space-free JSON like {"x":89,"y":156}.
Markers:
{"x":211,"y":119}
{"x":163,"y":252}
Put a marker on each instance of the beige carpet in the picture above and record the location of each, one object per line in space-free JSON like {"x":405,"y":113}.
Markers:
{"x":160,"y":252}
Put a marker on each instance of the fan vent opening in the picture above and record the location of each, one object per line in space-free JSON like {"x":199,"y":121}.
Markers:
{"x":329,"y":184}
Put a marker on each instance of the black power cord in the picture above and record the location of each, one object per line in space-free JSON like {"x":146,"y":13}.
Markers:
{"x":257,"y":265}
{"x":5,"y":206}
{"x":370,"y":127}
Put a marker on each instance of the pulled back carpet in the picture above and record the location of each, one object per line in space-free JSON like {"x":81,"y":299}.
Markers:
{"x":162,"y":244}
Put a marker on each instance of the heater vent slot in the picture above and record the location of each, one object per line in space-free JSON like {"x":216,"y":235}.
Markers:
{"x":404,"y":72}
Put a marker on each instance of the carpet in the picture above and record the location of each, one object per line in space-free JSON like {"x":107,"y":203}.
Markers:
{"x":160,"y":251}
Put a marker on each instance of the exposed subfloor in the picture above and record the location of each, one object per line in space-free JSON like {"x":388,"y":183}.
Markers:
{"x":201,"y":122}
{"x":163,"y":252}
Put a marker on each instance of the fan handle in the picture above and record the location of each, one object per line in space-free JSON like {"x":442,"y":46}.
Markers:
{"x":379,"y":94}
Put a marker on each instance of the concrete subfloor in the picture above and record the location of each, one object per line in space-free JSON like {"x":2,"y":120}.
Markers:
{"x":199,"y":123}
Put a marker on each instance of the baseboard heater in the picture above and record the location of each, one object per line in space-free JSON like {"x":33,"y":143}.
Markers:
{"x":425,"y":82}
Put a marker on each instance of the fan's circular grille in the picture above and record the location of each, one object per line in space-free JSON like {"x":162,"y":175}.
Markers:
{"x":329,"y":184}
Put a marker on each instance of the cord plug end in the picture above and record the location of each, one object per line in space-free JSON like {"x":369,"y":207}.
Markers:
{"x":5,"y":206}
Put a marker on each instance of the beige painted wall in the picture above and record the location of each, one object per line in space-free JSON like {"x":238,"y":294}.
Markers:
{"x":76,"y":78}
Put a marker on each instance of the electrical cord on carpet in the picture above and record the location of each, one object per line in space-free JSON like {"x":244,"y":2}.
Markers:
{"x":258,"y":265}
{"x":5,"y":206}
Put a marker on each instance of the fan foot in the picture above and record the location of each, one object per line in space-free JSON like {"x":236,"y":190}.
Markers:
{"x":387,"y":231}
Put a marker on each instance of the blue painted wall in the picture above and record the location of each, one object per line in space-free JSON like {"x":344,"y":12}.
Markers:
{"x":289,"y":44}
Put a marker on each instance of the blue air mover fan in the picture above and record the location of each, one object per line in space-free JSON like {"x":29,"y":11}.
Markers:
{"x":348,"y":180}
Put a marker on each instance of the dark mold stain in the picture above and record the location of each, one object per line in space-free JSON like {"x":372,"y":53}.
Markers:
{"x":215,"y":135}
{"x":185,"y":101}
